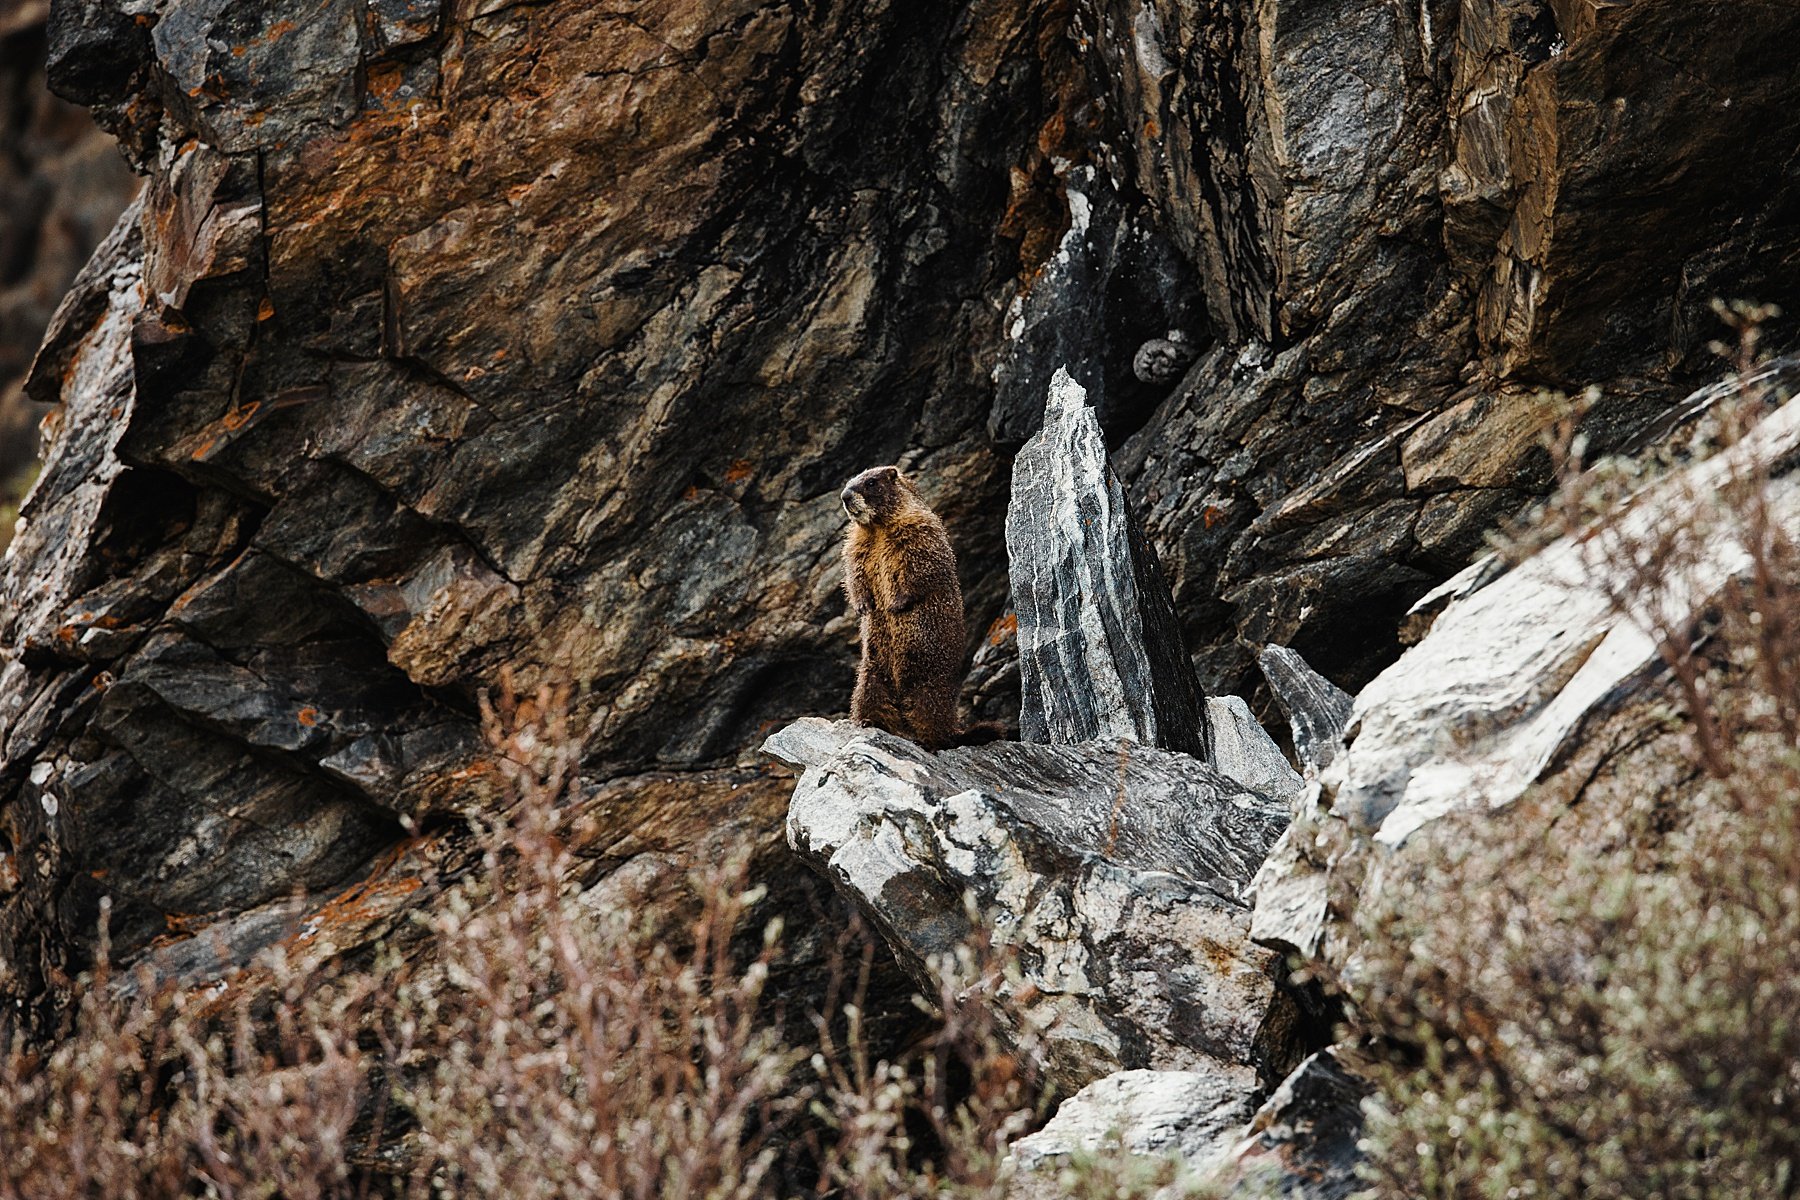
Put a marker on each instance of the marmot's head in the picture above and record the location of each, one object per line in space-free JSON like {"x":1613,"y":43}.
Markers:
{"x":876,"y":495}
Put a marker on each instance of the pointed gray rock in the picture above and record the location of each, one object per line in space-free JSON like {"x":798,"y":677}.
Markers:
{"x":1100,"y":651}
{"x":1316,"y":708}
{"x":1243,"y":750}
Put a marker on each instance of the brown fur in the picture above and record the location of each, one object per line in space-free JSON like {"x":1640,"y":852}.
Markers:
{"x":900,"y":574}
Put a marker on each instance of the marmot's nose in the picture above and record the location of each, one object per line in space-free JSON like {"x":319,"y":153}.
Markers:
{"x":845,"y":496}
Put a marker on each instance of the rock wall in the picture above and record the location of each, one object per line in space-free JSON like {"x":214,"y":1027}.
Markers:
{"x":455,"y":338}
{"x":1407,"y":219}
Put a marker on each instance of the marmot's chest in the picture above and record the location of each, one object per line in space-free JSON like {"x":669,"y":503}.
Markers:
{"x":888,"y":578}
{"x":876,"y":561}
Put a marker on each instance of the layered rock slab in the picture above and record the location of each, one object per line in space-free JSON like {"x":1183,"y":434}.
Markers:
{"x":1186,"y":1116}
{"x":1100,"y":649}
{"x":1519,"y":676}
{"x":1112,"y":875}
{"x":1301,"y":1142}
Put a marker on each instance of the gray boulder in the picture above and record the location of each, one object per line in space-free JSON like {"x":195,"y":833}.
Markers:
{"x":1113,"y":877}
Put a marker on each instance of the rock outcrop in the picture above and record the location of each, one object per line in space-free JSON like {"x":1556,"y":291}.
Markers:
{"x":1088,"y":891}
{"x":1521,"y":678}
{"x":1108,"y":878}
{"x":1408,"y":221}
{"x":461,"y":341}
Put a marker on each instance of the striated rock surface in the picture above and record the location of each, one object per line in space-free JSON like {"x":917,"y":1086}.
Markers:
{"x":1114,"y":875}
{"x":461,"y":339}
{"x":454,"y":339}
{"x":1407,"y":221}
{"x":1100,"y":651}
{"x":1317,"y":709}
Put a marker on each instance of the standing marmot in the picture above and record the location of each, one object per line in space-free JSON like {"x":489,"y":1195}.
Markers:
{"x":900,"y":573}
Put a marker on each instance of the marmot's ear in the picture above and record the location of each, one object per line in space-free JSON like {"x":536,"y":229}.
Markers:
{"x":891,"y":472}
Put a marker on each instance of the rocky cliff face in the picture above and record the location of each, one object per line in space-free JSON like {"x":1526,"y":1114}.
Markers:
{"x":453,"y":339}
{"x":447,"y":341}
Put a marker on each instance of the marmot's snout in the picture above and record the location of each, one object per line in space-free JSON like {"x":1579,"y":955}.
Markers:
{"x":871,"y":493}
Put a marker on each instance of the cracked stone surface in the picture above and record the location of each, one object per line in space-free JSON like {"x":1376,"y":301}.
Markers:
{"x":454,"y":339}
{"x":62,"y":185}
{"x":1115,"y":874}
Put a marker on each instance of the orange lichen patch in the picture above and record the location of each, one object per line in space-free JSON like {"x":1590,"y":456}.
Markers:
{"x":204,"y":449}
{"x":266,"y":309}
{"x":1151,"y":128}
{"x":367,"y":901}
{"x":308,"y":716}
{"x":236,"y":418}
{"x":1212,"y":514}
{"x":1223,"y":960}
{"x":239,"y":51}
{"x":1005,"y":627}
{"x":374,"y":896}
{"x":385,"y":80}
{"x":518,"y":192}
{"x":739,"y":471}
{"x":98,"y":873}
{"x":66,"y":634}
{"x":180,"y":924}
{"x":691,"y":492}
{"x":279,"y":29}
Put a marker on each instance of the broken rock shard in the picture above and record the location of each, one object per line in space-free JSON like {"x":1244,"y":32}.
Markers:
{"x":1100,"y":651}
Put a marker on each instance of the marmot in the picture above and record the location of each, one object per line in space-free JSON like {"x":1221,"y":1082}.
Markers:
{"x":900,"y":574}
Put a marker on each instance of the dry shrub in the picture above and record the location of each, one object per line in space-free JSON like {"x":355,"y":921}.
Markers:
{"x":533,"y":1045}
{"x":1604,"y":1003}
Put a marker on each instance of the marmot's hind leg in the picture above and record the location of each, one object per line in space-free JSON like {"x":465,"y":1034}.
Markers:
{"x":873,"y":702}
{"x":931,"y":720}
